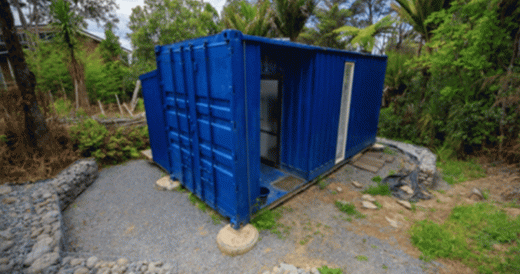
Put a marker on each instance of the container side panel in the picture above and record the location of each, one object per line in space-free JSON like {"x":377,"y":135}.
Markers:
{"x":199,"y":118}
{"x":155,"y":119}
{"x":367,"y":89}
{"x":325,"y":111}
{"x":253,"y":70}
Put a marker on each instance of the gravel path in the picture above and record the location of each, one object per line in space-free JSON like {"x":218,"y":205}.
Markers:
{"x":122,"y":215}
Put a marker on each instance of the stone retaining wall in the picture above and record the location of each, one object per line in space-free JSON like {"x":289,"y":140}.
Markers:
{"x":423,"y":157}
{"x":31,"y":227}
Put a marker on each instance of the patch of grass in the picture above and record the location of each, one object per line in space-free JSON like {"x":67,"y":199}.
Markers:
{"x":306,"y":239}
{"x":433,"y":209}
{"x":441,"y":191}
{"x":391,"y":172}
{"x":414,"y":207}
{"x":379,"y":206}
{"x":333,"y":192}
{"x":266,"y":219}
{"x":374,"y":246}
{"x":321,"y":183}
{"x":513,"y":204}
{"x":216,"y":218}
{"x":457,"y":171}
{"x":470,"y":235}
{"x":389,"y":151}
{"x":439,"y":201}
{"x":379,"y":189}
{"x":198,"y":202}
{"x":326,"y":270}
{"x":377,"y":179}
{"x":350,"y":209}
{"x":385,"y":267}
{"x":485,"y":194}
{"x":362,"y":258}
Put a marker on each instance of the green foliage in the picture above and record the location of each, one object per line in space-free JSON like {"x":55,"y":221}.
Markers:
{"x":160,"y":22}
{"x":110,"y":48}
{"x":399,"y":72}
{"x":252,"y":19}
{"x":194,"y":200}
{"x":139,"y":107}
{"x":457,"y":171}
{"x":62,"y":107}
{"x":326,"y":270}
{"x":364,"y":38}
{"x":266,"y":219}
{"x":362,"y":258}
{"x":377,"y":179}
{"x":104,"y":80}
{"x":330,"y":17}
{"x":379,"y":189}
{"x":322,"y":184}
{"x":469,"y":235}
{"x":115,"y":146}
{"x":350,"y":209}
{"x":379,"y":205}
{"x":47,"y":64}
{"x":290,"y":16}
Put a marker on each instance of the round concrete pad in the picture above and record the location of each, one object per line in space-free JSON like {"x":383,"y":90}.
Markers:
{"x":236,"y":242}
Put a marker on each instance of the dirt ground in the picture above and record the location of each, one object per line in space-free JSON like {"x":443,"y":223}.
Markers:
{"x":298,"y":226}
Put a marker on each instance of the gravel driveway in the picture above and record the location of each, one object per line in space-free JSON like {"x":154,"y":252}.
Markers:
{"x":122,"y":215}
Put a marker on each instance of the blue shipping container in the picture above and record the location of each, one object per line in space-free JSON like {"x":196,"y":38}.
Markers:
{"x":241,"y":121}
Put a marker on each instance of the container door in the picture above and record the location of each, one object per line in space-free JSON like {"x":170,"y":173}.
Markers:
{"x":270,"y":116}
{"x":344,"y":112}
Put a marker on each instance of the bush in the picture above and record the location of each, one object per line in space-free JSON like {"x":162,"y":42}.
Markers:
{"x":109,"y":147}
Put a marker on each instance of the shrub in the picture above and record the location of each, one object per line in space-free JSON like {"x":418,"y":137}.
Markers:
{"x":379,"y":189}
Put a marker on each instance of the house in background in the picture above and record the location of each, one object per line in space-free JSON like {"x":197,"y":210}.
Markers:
{"x":46,"y":33}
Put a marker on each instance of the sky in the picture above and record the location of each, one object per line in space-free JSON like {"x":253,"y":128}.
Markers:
{"x":125,"y":9}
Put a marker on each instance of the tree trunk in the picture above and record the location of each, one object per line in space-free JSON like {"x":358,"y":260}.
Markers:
{"x":35,"y":132}
{"x":78,"y":75}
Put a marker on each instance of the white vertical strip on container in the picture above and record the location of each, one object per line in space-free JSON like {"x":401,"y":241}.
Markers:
{"x":344,"y":112}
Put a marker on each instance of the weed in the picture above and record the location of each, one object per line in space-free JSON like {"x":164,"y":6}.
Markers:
{"x":362,"y":258}
{"x":400,"y":211}
{"x":348,"y":219}
{"x":216,"y":218}
{"x":321,"y":183}
{"x":458,"y":171}
{"x":333,"y":192}
{"x":326,"y":270}
{"x":377,"y":179}
{"x":389,"y":151}
{"x":198,"y":202}
{"x":512,"y":203}
{"x":306,"y":239}
{"x":374,"y":246}
{"x":433,"y":209}
{"x":326,"y":226}
{"x":266,"y":219}
{"x":485,"y":194}
{"x":441,"y":191}
{"x":391,"y":172}
{"x":364,"y":240}
{"x":318,"y":224}
{"x":414,"y":207}
{"x":379,"y":206}
{"x":439,"y":201}
{"x":469,"y":235}
{"x":350,"y":209}
{"x":380,"y":189}
{"x":385,"y":267}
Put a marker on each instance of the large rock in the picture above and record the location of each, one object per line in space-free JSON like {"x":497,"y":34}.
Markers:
{"x":41,"y":247}
{"x":44,"y":262}
{"x":236,"y":242}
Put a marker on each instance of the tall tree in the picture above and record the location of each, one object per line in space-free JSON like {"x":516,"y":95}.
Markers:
{"x":290,"y":16}
{"x":110,"y":48}
{"x":415,"y":12}
{"x":365,"y":38}
{"x":328,"y":16}
{"x":161,"y":22}
{"x":252,"y":19}
{"x":35,"y":132}
{"x":69,"y":24}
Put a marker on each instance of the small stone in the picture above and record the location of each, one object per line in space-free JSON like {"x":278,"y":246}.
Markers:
{"x":9,"y":200}
{"x":104,"y":271}
{"x":111,"y":264}
{"x":368,"y":197}
{"x":6,"y":268}
{"x":75,"y":262}
{"x":4,"y":260}
{"x":276,"y":269}
{"x":91,"y":262}
{"x":287,"y":267}
{"x":167,"y":183}
{"x":356,"y":184}
{"x":405,"y":204}
{"x":407,"y":189}
{"x":144,"y":268}
{"x":43,"y":262}
{"x":392,"y":222}
{"x":50,"y":217}
{"x":475,"y":191}
{"x":378,"y":147}
{"x":5,"y":234}
{"x":81,"y":270}
{"x":339,"y":189}
{"x":5,"y":190}
{"x":369,"y":205}
{"x":122,"y":261}
{"x":6,"y":245}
